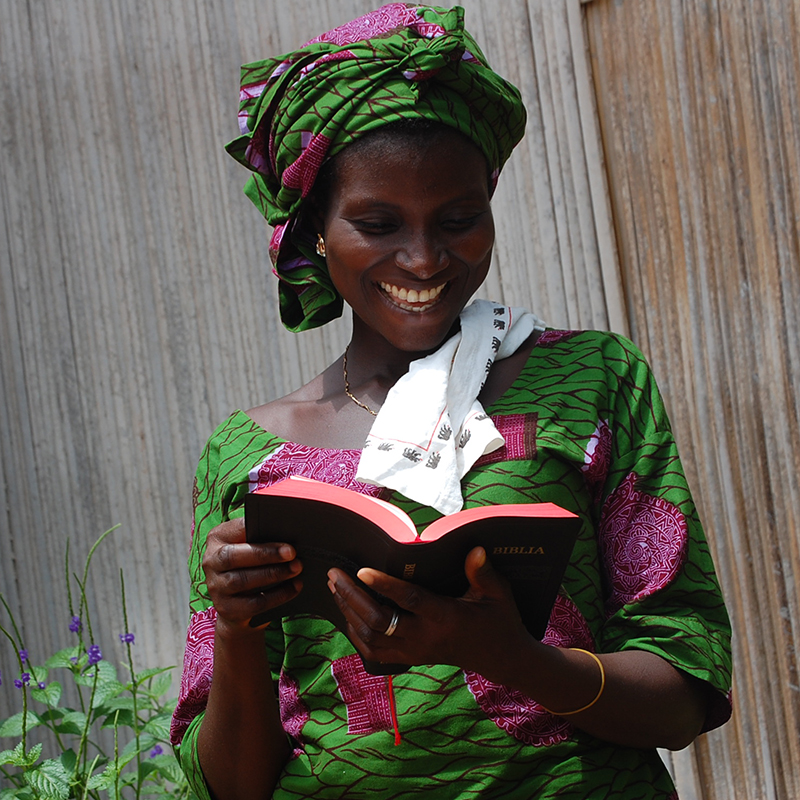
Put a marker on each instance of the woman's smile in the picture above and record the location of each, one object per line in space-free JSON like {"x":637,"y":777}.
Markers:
{"x":411,"y":299}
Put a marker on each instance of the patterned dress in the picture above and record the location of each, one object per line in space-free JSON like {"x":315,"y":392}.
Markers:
{"x":584,"y":427}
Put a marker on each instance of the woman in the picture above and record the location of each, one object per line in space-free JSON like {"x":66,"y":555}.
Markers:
{"x":375,"y":149}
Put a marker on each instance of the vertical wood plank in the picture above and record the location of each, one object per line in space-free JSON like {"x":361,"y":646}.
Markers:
{"x":702,"y":155}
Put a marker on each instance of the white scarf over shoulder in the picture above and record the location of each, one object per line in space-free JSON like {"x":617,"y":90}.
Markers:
{"x":431,"y":429}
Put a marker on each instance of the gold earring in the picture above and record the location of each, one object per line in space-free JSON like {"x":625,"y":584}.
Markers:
{"x":320,"y":246}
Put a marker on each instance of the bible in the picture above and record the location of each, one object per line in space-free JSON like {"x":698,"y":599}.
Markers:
{"x":330,"y":526}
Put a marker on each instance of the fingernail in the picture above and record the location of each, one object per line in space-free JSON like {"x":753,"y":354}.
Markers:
{"x":286,"y":552}
{"x":332,"y":587}
{"x":481,"y":557}
{"x":366,"y":576}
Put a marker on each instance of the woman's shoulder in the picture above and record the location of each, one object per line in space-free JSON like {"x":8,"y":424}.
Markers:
{"x":600,"y":340}
{"x":295,"y":416}
{"x":234,"y":437}
{"x":272,"y":416}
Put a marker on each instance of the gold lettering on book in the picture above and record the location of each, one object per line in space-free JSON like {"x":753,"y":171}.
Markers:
{"x":518,"y":551}
{"x":408,"y":571}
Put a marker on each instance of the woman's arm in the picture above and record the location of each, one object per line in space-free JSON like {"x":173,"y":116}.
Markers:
{"x":242,"y":746}
{"x":645,"y":701}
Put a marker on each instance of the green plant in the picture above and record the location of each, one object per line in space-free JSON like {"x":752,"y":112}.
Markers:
{"x":140,"y":763}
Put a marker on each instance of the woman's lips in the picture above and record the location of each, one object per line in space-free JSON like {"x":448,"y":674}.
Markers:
{"x":412,"y":299}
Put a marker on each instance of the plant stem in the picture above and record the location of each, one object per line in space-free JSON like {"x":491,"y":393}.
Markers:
{"x":82,"y":749}
{"x":21,"y":669}
{"x":13,"y":621}
{"x":134,"y":687}
{"x":82,"y":583}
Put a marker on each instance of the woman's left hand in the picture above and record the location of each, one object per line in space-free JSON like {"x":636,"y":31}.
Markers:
{"x":431,"y":628}
{"x":637,"y":700}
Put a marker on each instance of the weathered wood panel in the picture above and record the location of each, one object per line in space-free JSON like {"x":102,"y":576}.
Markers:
{"x":700,"y":114}
{"x":136,"y":306}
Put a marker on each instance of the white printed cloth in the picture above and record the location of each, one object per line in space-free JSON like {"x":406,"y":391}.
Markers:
{"x":431,"y":429}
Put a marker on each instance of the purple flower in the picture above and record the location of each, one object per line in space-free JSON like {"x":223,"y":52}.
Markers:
{"x":23,"y":655}
{"x":156,"y":751}
{"x":74,"y":659}
{"x":126,"y":638}
{"x":75,"y":625}
{"x":23,"y":680}
{"x":42,"y":685}
{"x":94,"y":654}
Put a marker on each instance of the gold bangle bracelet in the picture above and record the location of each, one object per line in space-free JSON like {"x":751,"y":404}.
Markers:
{"x":599,"y":691}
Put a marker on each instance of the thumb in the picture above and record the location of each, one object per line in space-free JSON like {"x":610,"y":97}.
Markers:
{"x":484,"y":580}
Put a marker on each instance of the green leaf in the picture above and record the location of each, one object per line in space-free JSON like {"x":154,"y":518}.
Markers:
{"x":13,"y":725}
{"x":68,"y":760}
{"x":62,"y":658}
{"x":20,"y":793}
{"x":168,"y":706}
{"x":38,"y":674}
{"x":19,"y":758}
{"x":145,"y":768}
{"x":146,"y":743}
{"x":123,"y":702}
{"x":53,"y":714}
{"x":168,"y":766}
{"x":50,"y":695}
{"x":161,"y":684}
{"x":106,"y":673}
{"x":142,"y":676}
{"x":128,"y":779}
{"x":49,"y":781}
{"x":121,"y":718}
{"x":158,"y":726}
{"x":103,"y":780}
{"x":74,"y":722}
{"x":106,"y":691}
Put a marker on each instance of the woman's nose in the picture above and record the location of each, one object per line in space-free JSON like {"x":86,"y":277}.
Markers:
{"x":424,"y":255}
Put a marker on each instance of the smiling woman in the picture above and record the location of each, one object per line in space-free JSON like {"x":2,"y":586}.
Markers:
{"x":375,"y":149}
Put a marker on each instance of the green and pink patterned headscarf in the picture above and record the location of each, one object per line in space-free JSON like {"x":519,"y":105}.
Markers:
{"x":400,"y":62}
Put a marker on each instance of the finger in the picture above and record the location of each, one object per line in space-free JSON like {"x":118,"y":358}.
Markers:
{"x":484,"y":580}
{"x":232,"y":530}
{"x":252,"y":579}
{"x":222,"y":557}
{"x":408,"y":596}
{"x":368,"y":618}
{"x":243,"y":607}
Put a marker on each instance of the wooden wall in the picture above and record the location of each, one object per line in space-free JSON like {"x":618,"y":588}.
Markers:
{"x":137,"y":309}
{"x":700,"y":113}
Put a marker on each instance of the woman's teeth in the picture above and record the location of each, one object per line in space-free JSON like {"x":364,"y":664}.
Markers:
{"x":404,"y":297}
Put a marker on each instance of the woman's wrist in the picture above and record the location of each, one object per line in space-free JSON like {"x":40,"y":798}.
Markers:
{"x":557,"y":678}
{"x":238,"y":634}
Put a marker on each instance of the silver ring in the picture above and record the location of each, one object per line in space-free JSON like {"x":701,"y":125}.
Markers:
{"x":392,"y":625}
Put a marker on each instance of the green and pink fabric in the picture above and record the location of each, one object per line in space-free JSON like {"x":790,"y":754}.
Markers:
{"x":400,"y":62}
{"x":585,"y":427}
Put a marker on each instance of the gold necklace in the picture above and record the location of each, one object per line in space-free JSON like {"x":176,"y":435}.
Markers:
{"x":347,"y":386}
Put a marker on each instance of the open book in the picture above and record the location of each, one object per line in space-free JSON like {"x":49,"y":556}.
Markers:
{"x":329,"y":526}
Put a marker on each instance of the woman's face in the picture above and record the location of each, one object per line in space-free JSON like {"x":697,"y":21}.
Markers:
{"x":409,"y":235}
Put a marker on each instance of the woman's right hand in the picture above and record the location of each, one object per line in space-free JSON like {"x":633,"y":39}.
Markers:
{"x":241,"y":744}
{"x":245,"y":579}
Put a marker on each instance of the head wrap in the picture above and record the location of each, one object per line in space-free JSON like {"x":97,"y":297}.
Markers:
{"x":402,"y":61}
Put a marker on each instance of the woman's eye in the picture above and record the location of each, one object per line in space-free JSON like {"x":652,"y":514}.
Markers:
{"x":460,"y":223}
{"x":375,"y":226}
